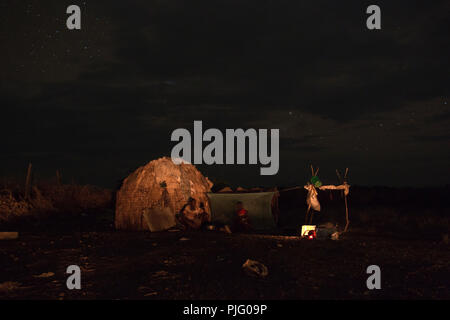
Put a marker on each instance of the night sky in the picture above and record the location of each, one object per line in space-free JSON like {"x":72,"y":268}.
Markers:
{"x":100,"y":101}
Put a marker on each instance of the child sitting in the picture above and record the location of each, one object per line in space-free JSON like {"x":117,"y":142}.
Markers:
{"x":242,"y":221}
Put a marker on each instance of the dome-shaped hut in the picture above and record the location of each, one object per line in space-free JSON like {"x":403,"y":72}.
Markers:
{"x":150,"y":197}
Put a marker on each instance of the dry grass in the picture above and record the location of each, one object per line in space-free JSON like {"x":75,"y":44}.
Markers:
{"x":47,"y":199}
{"x":75,"y":198}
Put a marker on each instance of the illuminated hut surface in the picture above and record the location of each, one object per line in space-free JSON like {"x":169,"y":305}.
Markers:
{"x":157,"y":191}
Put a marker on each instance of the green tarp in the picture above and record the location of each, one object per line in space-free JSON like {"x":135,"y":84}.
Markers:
{"x":259,"y":206}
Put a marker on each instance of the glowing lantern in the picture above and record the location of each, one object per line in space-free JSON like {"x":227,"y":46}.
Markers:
{"x":308,"y":231}
{"x":311,"y":234}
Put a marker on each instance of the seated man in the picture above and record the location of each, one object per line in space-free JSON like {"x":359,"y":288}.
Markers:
{"x":242,"y":221}
{"x":191,"y":216}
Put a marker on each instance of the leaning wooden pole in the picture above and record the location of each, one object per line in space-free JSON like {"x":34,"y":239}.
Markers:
{"x":311,"y":216}
{"x":58,"y":177}
{"x":28,"y":181}
{"x":307,"y":213}
{"x":345,"y":199}
{"x":346,"y":214}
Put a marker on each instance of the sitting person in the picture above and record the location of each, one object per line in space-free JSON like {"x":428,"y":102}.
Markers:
{"x":242,"y":221}
{"x":191,"y":216}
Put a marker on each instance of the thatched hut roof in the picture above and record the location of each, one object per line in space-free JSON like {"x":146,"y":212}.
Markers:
{"x":159,"y":185}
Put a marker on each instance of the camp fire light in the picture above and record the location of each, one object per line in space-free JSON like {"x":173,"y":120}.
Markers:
{"x":308,"y":231}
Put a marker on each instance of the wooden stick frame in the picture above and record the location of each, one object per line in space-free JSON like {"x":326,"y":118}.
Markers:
{"x":344,"y":181}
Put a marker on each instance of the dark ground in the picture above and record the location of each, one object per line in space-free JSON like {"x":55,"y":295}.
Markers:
{"x":404,"y":231}
{"x":143,"y":265}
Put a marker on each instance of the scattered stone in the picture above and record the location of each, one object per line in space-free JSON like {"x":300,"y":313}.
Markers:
{"x":45,"y":275}
{"x":335,"y":236}
{"x":255,"y":269}
{"x":225,"y":190}
{"x":225,"y":229}
{"x":160,"y":274}
{"x":9,"y":286}
{"x":143,"y":288}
